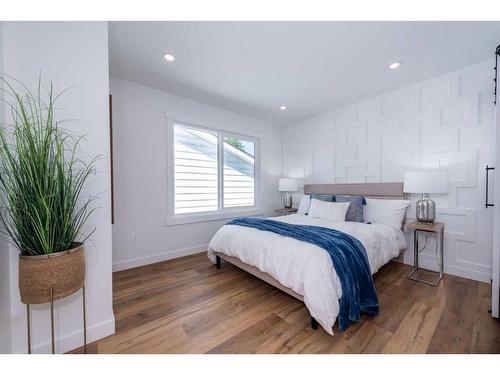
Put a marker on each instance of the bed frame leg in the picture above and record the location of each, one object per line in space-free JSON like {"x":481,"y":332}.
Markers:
{"x":217,"y":259}
{"x":314,"y":323}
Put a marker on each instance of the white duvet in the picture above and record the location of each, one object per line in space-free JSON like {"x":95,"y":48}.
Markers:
{"x":303,"y":267}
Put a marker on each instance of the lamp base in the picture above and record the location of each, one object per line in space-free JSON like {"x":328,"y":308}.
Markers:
{"x":287,"y":200}
{"x":426,"y":209}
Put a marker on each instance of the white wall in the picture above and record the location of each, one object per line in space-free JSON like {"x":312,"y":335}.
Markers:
{"x":446,"y":122}
{"x":140,"y":172}
{"x":71,"y":54}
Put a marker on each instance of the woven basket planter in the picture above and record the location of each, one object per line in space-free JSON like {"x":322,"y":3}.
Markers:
{"x":64,"y":272}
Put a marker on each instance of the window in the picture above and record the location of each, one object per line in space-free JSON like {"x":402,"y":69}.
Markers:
{"x":195,"y":170}
{"x":239,"y":172}
{"x":213,"y":171}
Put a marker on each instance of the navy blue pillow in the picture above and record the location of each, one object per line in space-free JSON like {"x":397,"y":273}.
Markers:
{"x":323,"y":197}
{"x":355,"y":210}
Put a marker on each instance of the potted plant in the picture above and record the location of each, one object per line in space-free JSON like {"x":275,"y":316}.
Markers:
{"x":41,"y":181}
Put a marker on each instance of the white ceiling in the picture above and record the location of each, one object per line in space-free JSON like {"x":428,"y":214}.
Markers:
{"x":311,"y":67}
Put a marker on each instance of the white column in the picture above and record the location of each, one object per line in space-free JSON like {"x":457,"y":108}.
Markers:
{"x":4,"y":254}
{"x":73,"y":55}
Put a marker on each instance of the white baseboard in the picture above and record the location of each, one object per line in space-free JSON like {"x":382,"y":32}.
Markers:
{"x":74,"y":340}
{"x":454,"y":270}
{"x":155,"y":258}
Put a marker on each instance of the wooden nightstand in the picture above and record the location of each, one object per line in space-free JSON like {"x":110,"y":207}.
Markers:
{"x":286,"y":211}
{"x":420,"y":274}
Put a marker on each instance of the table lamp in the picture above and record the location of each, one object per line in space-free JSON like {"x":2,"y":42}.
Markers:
{"x":425,"y":183}
{"x":288,"y":185}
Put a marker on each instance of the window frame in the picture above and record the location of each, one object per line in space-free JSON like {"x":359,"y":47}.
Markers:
{"x":221,"y":213}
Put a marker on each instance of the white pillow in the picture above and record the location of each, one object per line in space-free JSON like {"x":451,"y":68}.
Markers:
{"x":332,"y":211}
{"x":305,"y":203}
{"x":386,"y":211}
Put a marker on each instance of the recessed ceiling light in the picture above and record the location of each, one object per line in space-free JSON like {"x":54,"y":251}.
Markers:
{"x":395,"y":65}
{"x":283,"y":107}
{"x":169,"y":57}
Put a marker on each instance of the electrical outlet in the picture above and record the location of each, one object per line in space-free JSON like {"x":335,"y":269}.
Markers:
{"x":135,"y":237}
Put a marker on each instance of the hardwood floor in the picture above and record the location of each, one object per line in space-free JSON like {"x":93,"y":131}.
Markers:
{"x":186,"y":305}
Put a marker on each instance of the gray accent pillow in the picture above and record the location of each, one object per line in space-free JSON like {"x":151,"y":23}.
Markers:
{"x":323,"y":197}
{"x":355,"y":211}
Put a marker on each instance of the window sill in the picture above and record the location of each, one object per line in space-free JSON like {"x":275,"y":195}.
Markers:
{"x":199,"y":218}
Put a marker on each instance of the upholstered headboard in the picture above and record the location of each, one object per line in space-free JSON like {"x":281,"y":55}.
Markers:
{"x":384,"y":190}
{"x":381,"y":190}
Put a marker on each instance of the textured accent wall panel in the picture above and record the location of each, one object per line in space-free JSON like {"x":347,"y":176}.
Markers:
{"x":444,"y":123}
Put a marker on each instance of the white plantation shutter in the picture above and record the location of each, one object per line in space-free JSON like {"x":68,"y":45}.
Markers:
{"x":209,"y":179}
{"x":239,"y":175}
{"x":195,"y":170}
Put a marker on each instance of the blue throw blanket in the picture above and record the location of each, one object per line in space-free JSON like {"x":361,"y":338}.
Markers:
{"x":348,"y":257}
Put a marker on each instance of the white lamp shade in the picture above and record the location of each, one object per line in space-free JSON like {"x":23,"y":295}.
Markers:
{"x":288,"y":184}
{"x":423,"y":182}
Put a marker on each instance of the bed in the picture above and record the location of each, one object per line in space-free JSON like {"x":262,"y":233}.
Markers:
{"x":304,"y":270}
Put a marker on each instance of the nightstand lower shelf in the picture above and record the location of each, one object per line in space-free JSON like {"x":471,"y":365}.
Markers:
{"x":426,"y":276}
